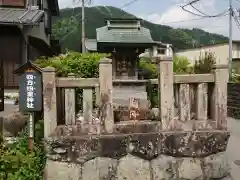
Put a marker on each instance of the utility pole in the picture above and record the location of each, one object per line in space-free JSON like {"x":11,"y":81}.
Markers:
{"x":230,"y":39}
{"x":83,"y":27}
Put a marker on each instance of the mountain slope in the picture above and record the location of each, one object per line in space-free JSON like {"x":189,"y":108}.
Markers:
{"x":67,"y":28}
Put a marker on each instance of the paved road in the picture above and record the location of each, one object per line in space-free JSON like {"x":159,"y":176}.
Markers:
{"x":233,"y":150}
{"x":8,"y":109}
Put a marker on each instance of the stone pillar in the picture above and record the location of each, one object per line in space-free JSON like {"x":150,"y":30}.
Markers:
{"x":165,"y":86}
{"x":106,"y":87}
{"x":202,"y":102}
{"x":49,"y":98}
{"x":70,"y":101}
{"x":220,"y":96}
{"x":184,"y":102}
{"x":87,"y":107}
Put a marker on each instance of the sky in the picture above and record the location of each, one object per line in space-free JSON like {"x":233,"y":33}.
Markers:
{"x":169,"y":12}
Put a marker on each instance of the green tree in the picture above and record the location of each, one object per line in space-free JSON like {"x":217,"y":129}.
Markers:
{"x":95,"y":16}
{"x":180,"y":38}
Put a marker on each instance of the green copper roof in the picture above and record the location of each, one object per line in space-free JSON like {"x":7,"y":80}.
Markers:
{"x":124,"y":33}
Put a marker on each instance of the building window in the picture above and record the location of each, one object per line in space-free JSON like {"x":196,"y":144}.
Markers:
{"x":161,"y":51}
{"x":10,"y":3}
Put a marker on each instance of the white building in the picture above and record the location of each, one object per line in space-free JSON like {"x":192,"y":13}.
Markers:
{"x":158,"y":49}
{"x":221,"y":52}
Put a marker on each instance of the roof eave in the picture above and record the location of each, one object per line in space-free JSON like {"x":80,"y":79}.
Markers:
{"x":122,"y":19}
{"x":136,"y":44}
{"x":18,"y":24}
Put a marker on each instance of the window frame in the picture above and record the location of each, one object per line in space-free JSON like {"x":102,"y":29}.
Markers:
{"x":12,"y":6}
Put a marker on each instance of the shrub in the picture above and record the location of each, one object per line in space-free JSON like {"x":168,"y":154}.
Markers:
{"x":235,"y":76}
{"x":205,"y":63}
{"x":181,"y":65}
{"x":86,"y":66}
{"x":82,"y":65}
{"x":16,"y":163}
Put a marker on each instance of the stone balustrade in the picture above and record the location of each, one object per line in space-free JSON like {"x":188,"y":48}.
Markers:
{"x":175,"y":147}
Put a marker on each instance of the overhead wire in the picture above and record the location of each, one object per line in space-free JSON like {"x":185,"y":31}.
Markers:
{"x":195,"y":19}
{"x":126,"y":5}
{"x":209,"y":16}
{"x":238,"y":1}
{"x":202,"y":14}
{"x":198,"y":10}
{"x":236,"y":19}
{"x":129,"y":3}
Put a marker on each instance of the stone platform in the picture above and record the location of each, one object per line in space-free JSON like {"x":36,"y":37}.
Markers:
{"x":136,"y":151}
{"x":132,"y":167}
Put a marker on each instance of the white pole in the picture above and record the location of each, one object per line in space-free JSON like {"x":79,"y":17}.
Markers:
{"x":83,"y":26}
{"x":230,"y":39}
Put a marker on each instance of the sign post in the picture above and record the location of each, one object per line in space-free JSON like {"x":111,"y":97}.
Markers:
{"x":30,"y":95}
{"x":31,"y":131}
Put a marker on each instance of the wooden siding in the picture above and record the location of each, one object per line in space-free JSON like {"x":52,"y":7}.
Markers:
{"x":10,"y":54}
{"x":13,"y":3}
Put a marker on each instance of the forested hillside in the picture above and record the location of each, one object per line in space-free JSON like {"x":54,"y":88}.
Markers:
{"x":67,"y":28}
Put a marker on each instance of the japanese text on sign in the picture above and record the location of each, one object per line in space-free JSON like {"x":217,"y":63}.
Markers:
{"x":30,"y":90}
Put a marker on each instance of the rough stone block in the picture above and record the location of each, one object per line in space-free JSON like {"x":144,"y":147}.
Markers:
{"x":132,"y":168}
{"x":194,"y":143}
{"x":62,"y":171}
{"x":145,"y":146}
{"x":14,"y":123}
{"x":227,"y":178}
{"x":99,"y":169}
{"x":163,"y":167}
{"x":216,"y":166}
{"x":190,"y":168}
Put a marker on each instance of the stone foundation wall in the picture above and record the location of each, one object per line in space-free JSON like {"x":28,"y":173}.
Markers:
{"x":129,"y":167}
{"x":144,"y":153}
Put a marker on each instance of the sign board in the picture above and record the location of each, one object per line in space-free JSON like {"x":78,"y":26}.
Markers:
{"x":30,"y":93}
{"x":134,"y":112}
{"x":30,"y":90}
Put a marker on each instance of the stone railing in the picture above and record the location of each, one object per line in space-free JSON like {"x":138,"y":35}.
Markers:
{"x":172,"y":148}
{"x":70,"y":83}
{"x":200,"y":100}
